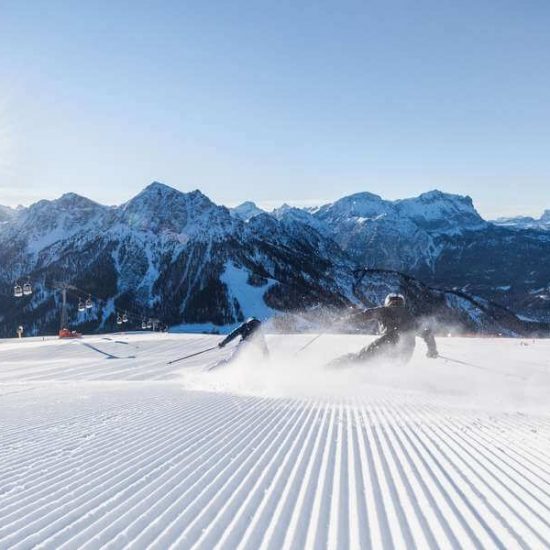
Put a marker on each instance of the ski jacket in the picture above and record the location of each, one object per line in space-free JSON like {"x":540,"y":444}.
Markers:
{"x":396,"y":322}
{"x":245,"y":331}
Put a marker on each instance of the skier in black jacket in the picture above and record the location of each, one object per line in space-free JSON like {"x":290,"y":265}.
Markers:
{"x":399,"y":329}
{"x":251,"y":335}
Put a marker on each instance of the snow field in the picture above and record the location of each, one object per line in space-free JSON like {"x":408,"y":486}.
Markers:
{"x":104,"y":445}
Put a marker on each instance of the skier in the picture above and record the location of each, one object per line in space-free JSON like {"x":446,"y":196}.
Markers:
{"x":399,"y":329}
{"x":251,"y":336}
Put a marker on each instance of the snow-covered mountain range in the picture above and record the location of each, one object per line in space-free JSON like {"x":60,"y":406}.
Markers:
{"x":183,"y":259}
{"x":526,"y":222}
{"x":441,"y":239}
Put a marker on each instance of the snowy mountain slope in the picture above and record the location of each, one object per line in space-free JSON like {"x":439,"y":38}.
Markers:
{"x":499,"y":264}
{"x":126,"y":451}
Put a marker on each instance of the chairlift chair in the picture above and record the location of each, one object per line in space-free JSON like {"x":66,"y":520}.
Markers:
{"x":81,"y":306}
{"x":17,"y":291}
{"x":125,"y":318}
{"x":118,"y":319}
{"x":27,"y":289}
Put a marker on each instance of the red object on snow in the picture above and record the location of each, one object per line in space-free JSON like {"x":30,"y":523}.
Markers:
{"x":66,"y":333}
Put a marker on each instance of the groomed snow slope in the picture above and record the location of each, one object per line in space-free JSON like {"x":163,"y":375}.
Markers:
{"x":105,"y":445}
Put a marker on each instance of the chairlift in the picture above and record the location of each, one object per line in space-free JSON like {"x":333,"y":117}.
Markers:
{"x":118,"y":319}
{"x":150,"y":324}
{"x":81,"y":306}
{"x":89,"y":304}
{"x":125,"y":318}
{"x":17,"y":291}
{"x":27,"y":289}
{"x":143,"y":324}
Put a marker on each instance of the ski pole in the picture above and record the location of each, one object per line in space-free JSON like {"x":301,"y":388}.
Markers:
{"x":458,"y":362}
{"x":192,"y":355}
{"x":309,"y":343}
{"x":315,"y":338}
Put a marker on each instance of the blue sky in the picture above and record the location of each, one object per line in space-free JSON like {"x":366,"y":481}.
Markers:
{"x":293,"y":101}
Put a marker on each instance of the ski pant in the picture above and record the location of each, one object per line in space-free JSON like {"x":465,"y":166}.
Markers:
{"x":256,"y":343}
{"x":392,"y":347}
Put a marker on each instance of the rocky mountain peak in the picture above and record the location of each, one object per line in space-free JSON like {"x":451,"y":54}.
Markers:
{"x":436,"y":210}
{"x":161,"y":208}
{"x":69,"y":209}
{"x":156,"y":193}
{"x":246,"y":210}
{"x":69,"y":202}
{"x":438,"y":199}
{"x":284,"y":208}
{"x":358,"y":205}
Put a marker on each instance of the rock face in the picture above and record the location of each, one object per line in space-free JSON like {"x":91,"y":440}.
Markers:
{"x":191,"y":263}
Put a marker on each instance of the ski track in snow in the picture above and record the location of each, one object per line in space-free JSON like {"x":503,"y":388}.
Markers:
{"x":104,"y":445}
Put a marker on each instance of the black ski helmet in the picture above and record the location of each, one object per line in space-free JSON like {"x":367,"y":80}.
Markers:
{"x":394,"y":300}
